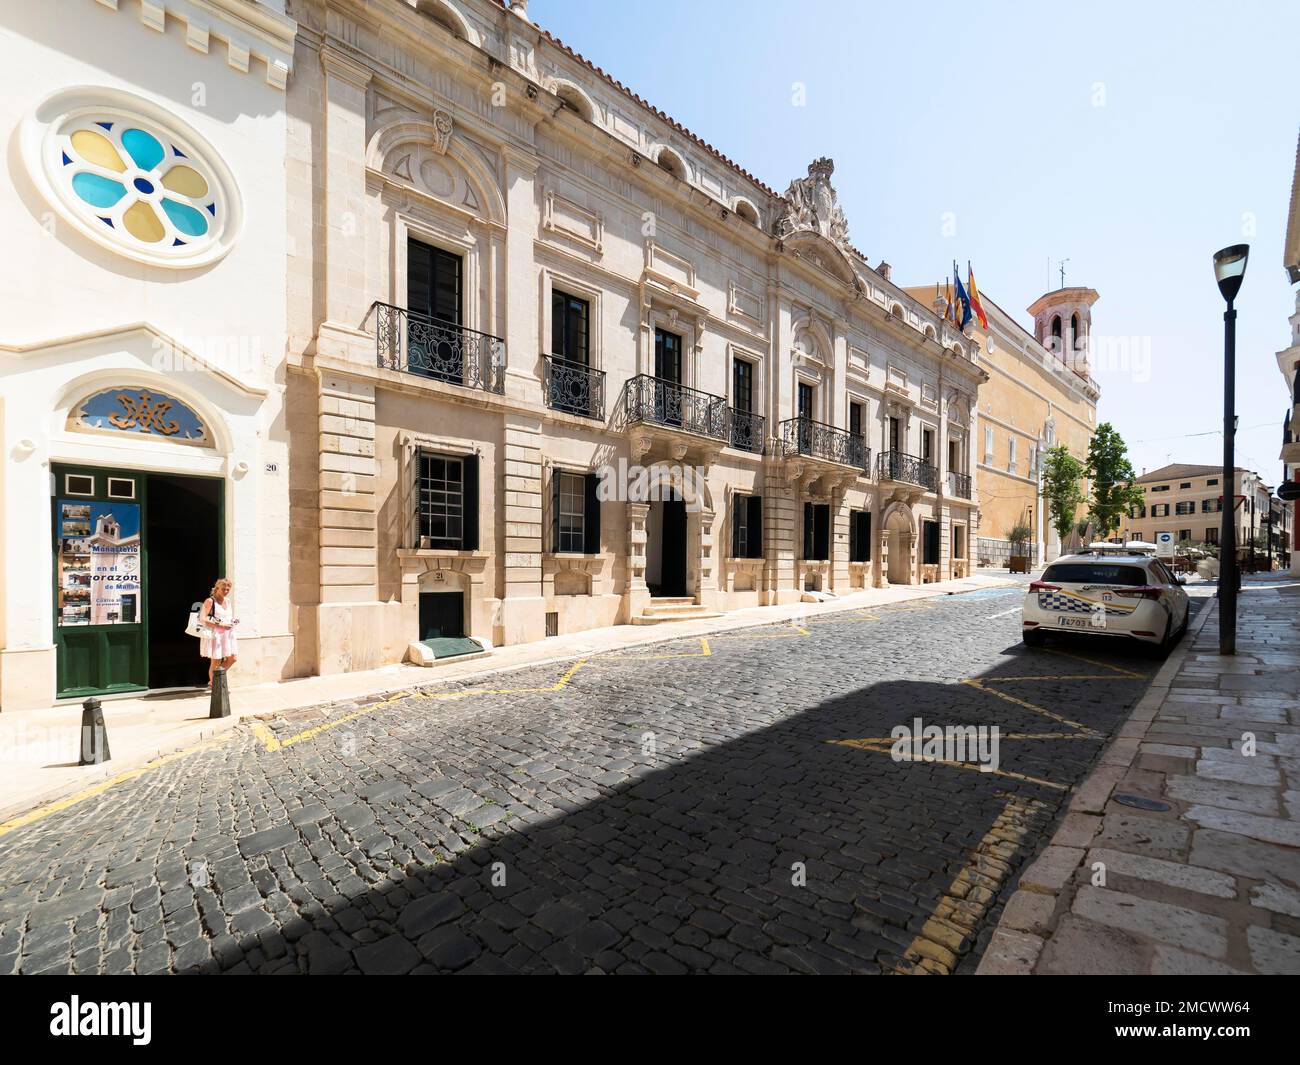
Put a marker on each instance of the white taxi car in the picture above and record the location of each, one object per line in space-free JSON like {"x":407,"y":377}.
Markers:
{"x":1112,"y":593}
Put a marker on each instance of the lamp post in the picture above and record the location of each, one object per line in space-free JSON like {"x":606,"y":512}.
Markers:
{"x":1229,"y":269}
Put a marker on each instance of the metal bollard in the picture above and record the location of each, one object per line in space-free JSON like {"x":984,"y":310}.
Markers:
{"x":220,"y":704}
{"x":94,"y":735}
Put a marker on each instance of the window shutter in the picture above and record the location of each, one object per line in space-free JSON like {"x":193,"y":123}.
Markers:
{"x":808,"y":530}
{"x":737,"y":501}
{"x":469,"y":527}
{"x":755,"y":526}
{"x":823,"y":531}
{"x":853,"y":535}
{"x":864,"y":537}
{"x":591,"y":516}
{"x":556,"y":479}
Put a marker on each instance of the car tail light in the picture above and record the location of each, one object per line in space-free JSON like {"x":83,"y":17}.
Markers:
{"x":1142,"y":632}
{"x":1030,"y":624}
{"x":1043,"y":586}
{"x":1146,"y":591}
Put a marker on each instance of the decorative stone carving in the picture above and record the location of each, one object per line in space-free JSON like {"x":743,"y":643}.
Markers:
{"x":811,"y":205}
{"x":442,"y":125}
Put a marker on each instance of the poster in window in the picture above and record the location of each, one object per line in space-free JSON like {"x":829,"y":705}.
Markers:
{"x":98,"y":563}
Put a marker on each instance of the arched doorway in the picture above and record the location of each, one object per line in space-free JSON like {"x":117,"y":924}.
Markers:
{"x":666,"y":545}
{"x":898,"y":534}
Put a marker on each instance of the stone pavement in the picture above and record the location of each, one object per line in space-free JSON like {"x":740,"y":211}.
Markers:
{"x":722,"y":803}
{"x":39,"y":749}
{"x":1181,"y":852}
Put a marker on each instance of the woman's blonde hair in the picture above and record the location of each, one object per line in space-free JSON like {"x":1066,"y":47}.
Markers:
{"x":220,"y":581}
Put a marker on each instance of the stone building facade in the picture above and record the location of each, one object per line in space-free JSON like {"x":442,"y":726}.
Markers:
{"x":513,"y":285}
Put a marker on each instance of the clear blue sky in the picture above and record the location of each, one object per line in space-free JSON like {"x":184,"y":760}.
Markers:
{"x":990,"y":112}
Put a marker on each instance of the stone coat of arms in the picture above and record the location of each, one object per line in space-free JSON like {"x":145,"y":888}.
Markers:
{"x":812,"y":206}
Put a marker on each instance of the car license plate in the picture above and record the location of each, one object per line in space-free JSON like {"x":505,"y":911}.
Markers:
{"x":1074,"y":623}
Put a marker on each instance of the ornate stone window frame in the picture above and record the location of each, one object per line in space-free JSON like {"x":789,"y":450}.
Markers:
{"x":551,"y":279}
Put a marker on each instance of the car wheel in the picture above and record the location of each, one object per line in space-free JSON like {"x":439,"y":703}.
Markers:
{"x":1034,"y":637}
{"x":1166,"y":644}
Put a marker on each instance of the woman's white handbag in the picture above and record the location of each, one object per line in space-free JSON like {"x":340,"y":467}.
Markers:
{"x":194,"y":628}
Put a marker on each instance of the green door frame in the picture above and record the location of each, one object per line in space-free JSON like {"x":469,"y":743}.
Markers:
{"x":100,"y":634}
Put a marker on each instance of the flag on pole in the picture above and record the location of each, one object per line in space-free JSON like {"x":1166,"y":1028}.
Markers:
{"x":949,"y":307}
{"x":975,"y":298}
{"x":963,"y":301}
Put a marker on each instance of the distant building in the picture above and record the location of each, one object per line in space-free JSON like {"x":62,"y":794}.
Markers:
{"x":1288,"y":361}
{"x":1040,"y":393}
{"x":1187,"y":500}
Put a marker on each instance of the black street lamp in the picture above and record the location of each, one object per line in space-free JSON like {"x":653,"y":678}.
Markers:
{"x":1229,"y":269}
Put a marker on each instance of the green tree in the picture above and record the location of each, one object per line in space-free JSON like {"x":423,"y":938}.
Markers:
{"x":1114,"y":484}
{"x":1061,"y":475}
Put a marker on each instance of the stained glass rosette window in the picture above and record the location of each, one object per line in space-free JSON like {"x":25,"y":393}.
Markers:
{"x":127,"y":174}
{"x":138,"y":183}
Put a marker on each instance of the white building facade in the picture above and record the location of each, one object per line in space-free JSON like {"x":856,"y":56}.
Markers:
{"x":142,"y":339}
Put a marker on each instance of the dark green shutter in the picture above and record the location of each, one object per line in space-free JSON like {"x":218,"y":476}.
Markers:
{"x":737,"y":503}
{"x":556,"y":478}
{"x":808,"y":531}
{"x":591,"y":515}
{"x":469,"y":525}
{"x":864,"y":537}
{"x":755,"y":526}
{"x":853,"y":536}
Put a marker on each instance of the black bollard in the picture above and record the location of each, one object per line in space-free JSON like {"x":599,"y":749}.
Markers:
{"x":220,"y":704}
{"x":94,"y":735}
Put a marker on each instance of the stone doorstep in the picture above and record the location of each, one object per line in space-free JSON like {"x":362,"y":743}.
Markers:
{"x":1027,"y":923}
{"x":20,"y":801}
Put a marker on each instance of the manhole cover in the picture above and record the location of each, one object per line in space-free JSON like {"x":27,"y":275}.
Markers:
{"x":1139,"y":802}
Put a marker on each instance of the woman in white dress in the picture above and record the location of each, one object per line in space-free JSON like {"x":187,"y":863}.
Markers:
{"x":218,"y":643}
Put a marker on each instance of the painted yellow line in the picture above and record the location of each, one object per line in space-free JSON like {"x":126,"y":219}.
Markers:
{"x":936,"y":949}
{"x":1051,"y":676}
{"x":1033,"y":708}
{"x":799,"y":630}
{"x":1095,"y":662}
{"x":862,"y":745}
{"x":32,"y":816}
{"x":705,"y":651}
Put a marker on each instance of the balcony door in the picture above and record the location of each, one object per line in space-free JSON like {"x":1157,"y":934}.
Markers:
{"x":668,"y":371}
{"x":434,"y":343}
{"x":804,"y":397}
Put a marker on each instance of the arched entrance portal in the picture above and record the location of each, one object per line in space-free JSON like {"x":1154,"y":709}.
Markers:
{"x":898,"y":534}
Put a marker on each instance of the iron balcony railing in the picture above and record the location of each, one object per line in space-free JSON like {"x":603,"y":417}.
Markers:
{"x":747,"y":430}
{"x":897,"y":466}
{"x":959,"y":484}
{"x":573,"y":387}
{"x":803,"y":436}
{"x":418,"y":344}
{"x":658,"y":402}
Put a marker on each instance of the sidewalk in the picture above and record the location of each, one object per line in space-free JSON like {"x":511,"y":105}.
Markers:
{"x":39,"y":749}
{"x":1201,"y":874}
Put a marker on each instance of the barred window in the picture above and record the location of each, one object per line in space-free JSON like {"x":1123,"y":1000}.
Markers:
{"x":571,"y":497}
{"x":442,"y":499}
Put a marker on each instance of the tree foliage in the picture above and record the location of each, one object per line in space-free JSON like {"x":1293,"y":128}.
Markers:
{"x":1114,"y":483}
{"x":1061,"y":475}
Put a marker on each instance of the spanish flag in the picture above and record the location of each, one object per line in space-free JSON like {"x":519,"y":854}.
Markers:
{"x":963,"y":300}
{"x":975,"y":298}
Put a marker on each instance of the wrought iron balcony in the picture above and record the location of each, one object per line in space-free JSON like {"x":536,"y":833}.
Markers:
{"x":655,"y":401}
{"x":418,"y":344}
{"x":959,"y":484}
{"x":897,"y":466}
{"x":573,"y":387}
{"x":803,"y":436}
{"x":747,"y":431}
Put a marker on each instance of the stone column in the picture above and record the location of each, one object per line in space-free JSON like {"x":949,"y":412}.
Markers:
{"x":521,"y":329}
{"x":839,"y":569}
{"x":782,"y":528}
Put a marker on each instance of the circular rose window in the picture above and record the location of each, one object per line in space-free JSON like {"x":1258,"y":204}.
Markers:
{"x":132,"y":178}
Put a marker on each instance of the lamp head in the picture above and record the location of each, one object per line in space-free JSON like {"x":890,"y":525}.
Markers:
{"x":1230,"y":268}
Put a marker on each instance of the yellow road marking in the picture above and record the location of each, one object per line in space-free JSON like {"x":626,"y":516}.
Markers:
{"x":1094,"y":662}
{"x":963,"y":905}
{"x":864,"y":745}
{"x":705,"y":651}
{"x":58,"y":805}
{"x":975,"y":682}
{"x":799,"y":630}
{"x":1051,"y":676}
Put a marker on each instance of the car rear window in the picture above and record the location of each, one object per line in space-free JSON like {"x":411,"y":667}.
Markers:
{"x":1095,"y":573}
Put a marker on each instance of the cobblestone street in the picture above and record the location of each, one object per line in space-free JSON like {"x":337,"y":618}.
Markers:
{"x":722,"y":804}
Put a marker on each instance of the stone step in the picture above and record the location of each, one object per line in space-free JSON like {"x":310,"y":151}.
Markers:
{"x":659,"y":619}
